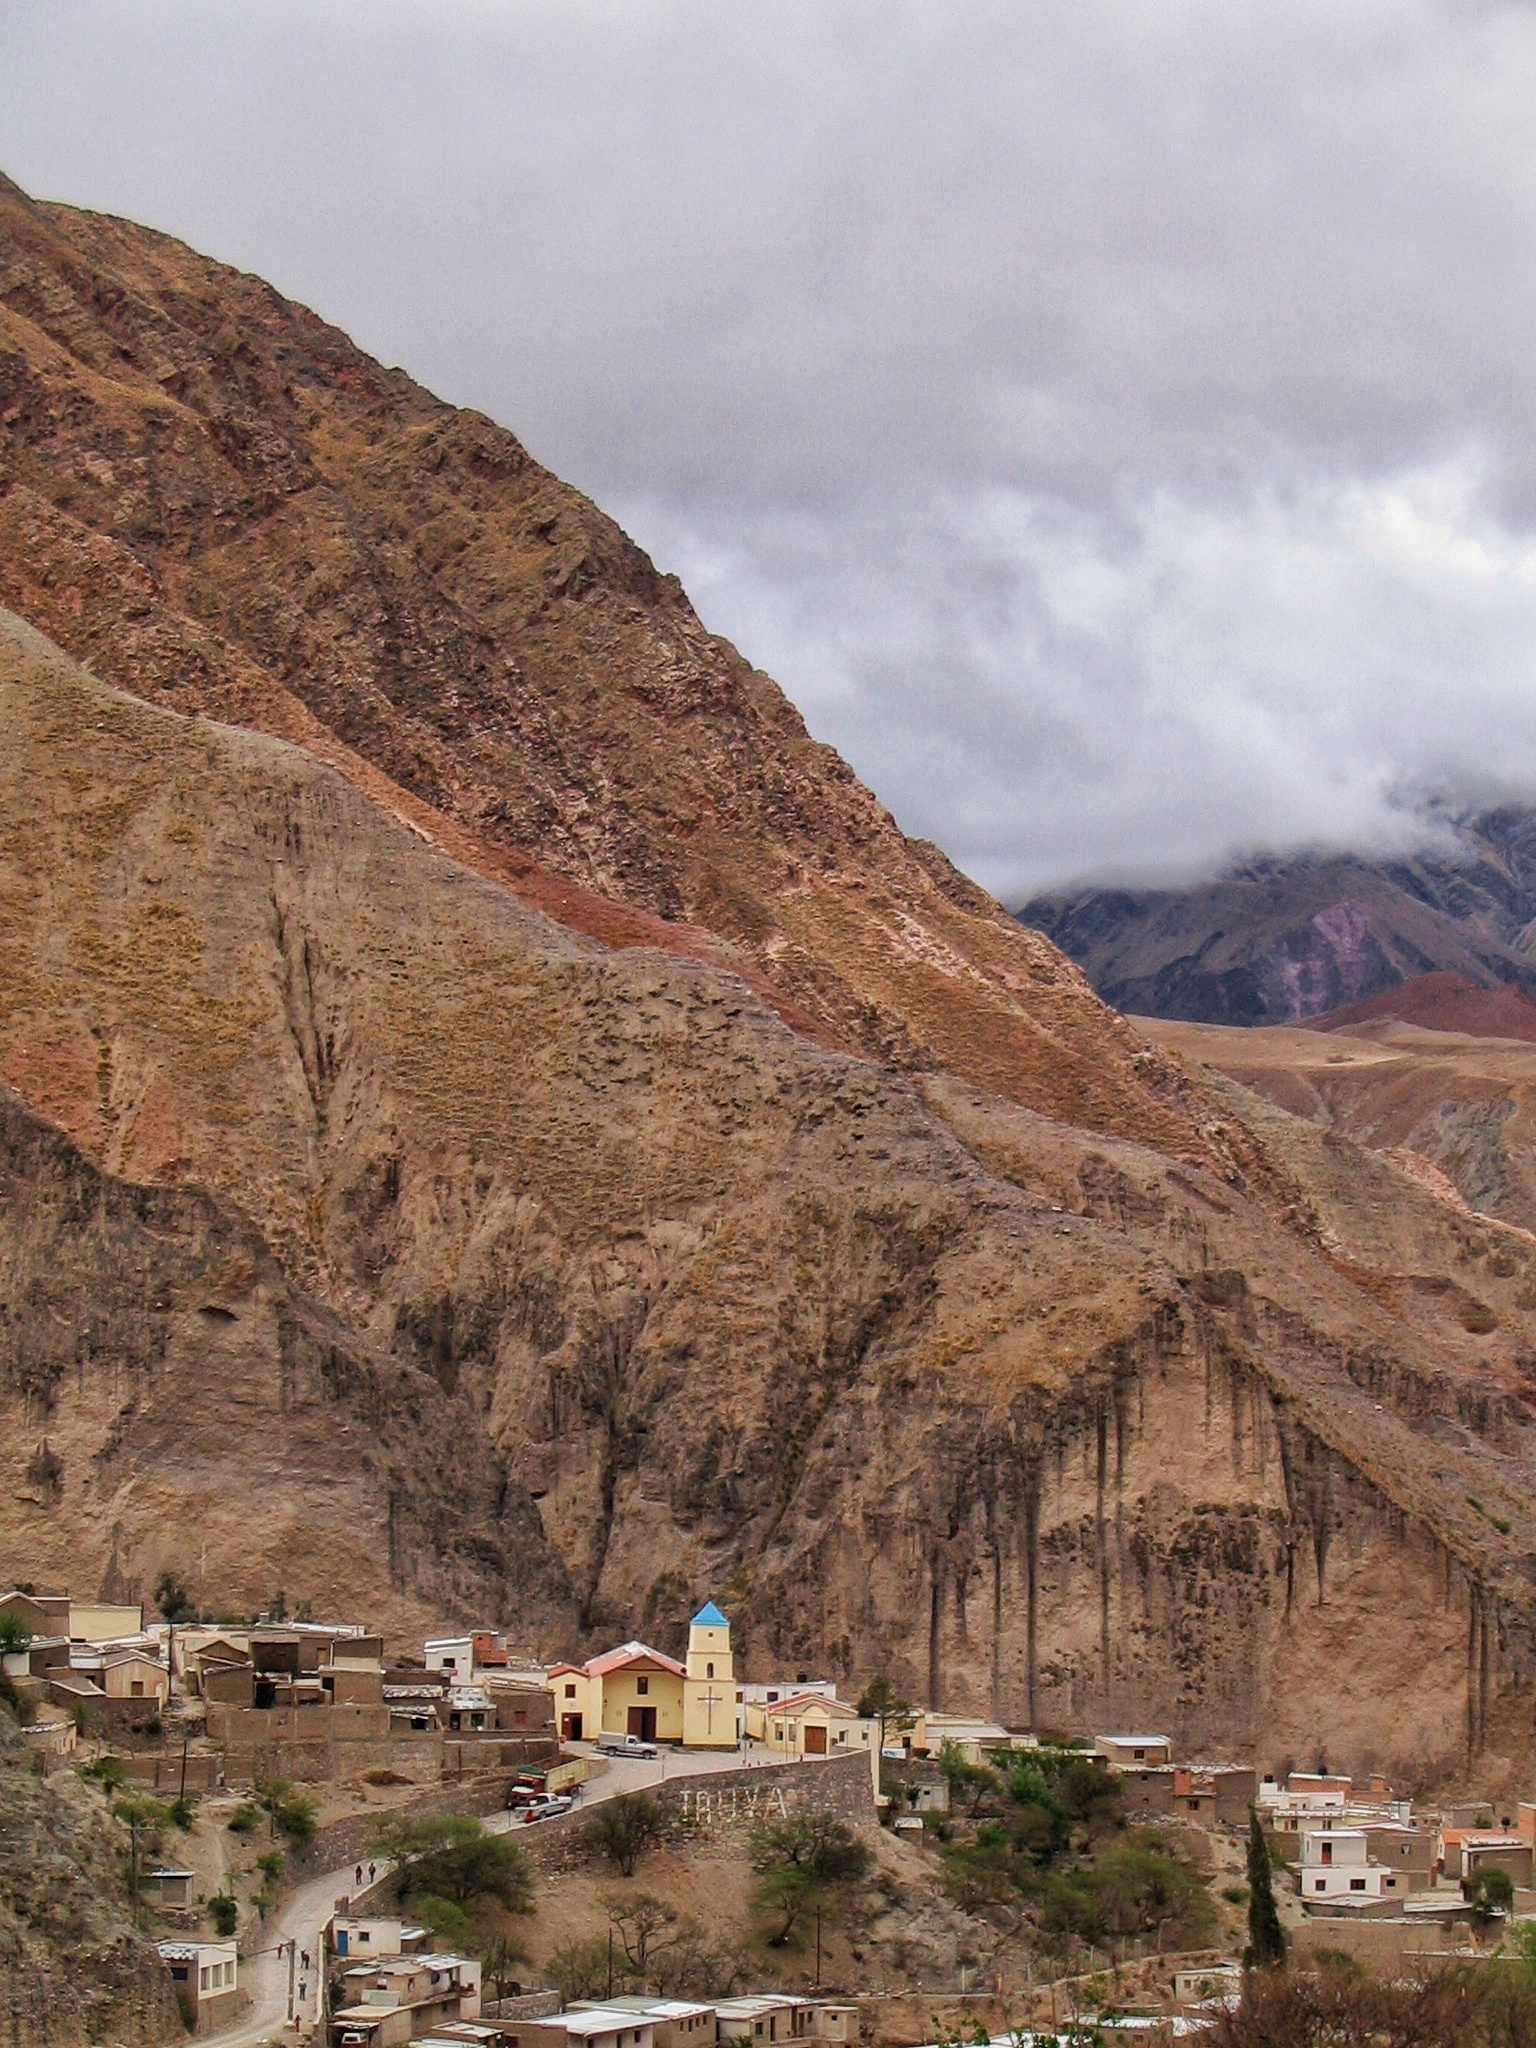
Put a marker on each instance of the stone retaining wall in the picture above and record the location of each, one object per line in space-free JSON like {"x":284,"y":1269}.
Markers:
{"x":711,"y":1810}
{"x":347,"y":1841}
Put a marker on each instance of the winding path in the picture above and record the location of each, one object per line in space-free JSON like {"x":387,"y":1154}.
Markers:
{"x":302,"y":1916}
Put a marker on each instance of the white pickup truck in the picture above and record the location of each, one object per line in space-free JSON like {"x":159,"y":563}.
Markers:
{"x":612,"y":1743}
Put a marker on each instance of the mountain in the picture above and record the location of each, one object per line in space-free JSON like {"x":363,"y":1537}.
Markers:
{"x":1278,"y":940}
{"x":501,"y":1125}
{"x":1442,"y":1002}
{"x":217,"y":502}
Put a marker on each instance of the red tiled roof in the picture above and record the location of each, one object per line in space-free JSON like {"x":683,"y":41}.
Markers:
{"x":631,"y":1653}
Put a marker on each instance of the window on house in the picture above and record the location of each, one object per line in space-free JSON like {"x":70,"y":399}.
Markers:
{"x":1357,"y":1884}
{"x":202,"y":1978}
{"x":709,"y":1670}
{"x":642,"y":1686}
{"x":1320,"y":1884}
{"x":570,"y":1692}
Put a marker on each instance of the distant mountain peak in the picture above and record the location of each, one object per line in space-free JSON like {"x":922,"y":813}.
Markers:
{"x":1280,"y":939}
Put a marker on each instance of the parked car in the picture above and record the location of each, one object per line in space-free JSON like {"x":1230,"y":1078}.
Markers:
{"x":546,"y":1805}
{"x":612,"y":1743}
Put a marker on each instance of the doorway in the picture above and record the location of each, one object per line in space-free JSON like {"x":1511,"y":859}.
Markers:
{"x":815,"y":1740}
{"x":642,"y":1722}
{"x":570,"y":1728}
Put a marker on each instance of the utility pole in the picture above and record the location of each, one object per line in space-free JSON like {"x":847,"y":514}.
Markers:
{"x":293,"y":1957}
{"x":610,"y":1962}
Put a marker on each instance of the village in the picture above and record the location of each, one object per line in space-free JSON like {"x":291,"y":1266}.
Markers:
{"x":354,"y":1766}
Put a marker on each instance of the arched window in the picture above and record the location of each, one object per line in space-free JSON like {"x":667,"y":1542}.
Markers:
{"x":709,"y":1670}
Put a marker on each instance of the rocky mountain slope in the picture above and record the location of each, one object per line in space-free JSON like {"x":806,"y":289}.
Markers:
{"x":1276,"y":941}
{"x":219,"y":503}
{"x":910,"y":1376}
{"x":504,"y":1123}
{"x":1462,"y":1108}
{"x":72,"y":1966}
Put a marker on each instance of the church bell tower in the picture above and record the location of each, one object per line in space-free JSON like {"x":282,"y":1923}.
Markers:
{"x":709,"y":1690}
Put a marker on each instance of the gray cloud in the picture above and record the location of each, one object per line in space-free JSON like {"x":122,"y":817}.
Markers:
{"x":1112,"y":423}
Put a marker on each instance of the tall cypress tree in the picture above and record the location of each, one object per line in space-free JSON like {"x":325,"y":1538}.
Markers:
{"x":1266,"y":1937}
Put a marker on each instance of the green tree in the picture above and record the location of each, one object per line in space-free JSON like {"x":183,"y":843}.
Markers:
{"x":622,"y":1828}
{"x":140,"y":1815}
{"x":224,"y":1912}
{"x":1492,"y":1893}
{"x":297,"y":1817}
{"x":803,"y":1866}
{"x":245,"y":1819}
{"x":969,"y":1784}
{"x":108,"y":1771}
{"x":173,"y":1599}
{"x":1133,"y":1886}
{"x":880,"y":1701}
{"x":15,"y":1636}
{"x":452,"y":1857}
{"x":444,"y":1919}
{"x":1266,"y":1937}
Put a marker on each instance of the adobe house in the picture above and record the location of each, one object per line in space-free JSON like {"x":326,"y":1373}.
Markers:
{"x":168,"y":1883}
{"x":354,"y":1681}
{"x":100,"y":1621}
{"x":521,"y":1709}
{"x":1123,"y":1752}
{"x":45,"y":1614}
{"x":813,"y":1725}
{"x":228,"y":1685}
{"x":206,"y":1976}
{"x":130,"y":1675}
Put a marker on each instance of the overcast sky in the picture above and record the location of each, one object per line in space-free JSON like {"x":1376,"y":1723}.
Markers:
{"x":1111,"y":423}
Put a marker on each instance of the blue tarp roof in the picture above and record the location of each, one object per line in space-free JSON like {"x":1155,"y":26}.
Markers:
{"x":710,"y":1616}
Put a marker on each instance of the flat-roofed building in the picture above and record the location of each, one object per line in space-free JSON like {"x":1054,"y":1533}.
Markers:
{"x":674,"y":2022}
{"x":767,"y":2016}
{"x":206,"y":1975}
{"x":1128,"y":1750}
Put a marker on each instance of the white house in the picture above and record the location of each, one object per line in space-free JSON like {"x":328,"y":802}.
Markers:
{"x":1336,"y":1865}
{"x":402,"y":1998}
{"x":594,"y":2027}
{"x":453,"y":1654}
{"x":362,"y":1936}
{"x":769,"y":2016}
{"x":674,"y":2022}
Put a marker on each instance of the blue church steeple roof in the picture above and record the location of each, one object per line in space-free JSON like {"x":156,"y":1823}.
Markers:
{"x":709,"y":1616}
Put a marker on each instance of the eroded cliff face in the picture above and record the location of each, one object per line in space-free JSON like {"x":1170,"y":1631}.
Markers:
{"x":563,"y":1285}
